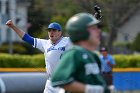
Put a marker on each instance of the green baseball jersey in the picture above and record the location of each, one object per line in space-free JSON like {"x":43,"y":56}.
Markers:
{"x":78,"y":64}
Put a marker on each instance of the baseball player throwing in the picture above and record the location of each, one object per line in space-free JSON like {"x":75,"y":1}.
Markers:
{"x":52,"y":48}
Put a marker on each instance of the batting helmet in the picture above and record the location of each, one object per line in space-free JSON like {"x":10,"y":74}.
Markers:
{"x":77,"y":26}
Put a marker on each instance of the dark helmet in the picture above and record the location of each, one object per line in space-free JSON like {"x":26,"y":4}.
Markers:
{"x":77,"y":26}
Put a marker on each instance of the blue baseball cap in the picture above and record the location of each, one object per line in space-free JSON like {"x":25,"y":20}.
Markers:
{"x":55,"y":25}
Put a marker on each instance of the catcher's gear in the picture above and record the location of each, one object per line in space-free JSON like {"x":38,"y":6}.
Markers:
{"x":77,"y":26}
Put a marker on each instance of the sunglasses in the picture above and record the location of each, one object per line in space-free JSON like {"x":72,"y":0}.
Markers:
{"x":51,"y":29}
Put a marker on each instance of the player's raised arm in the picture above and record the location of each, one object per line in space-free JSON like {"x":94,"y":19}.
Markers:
{"x":10,"y":24}
{"x":27,"y":38}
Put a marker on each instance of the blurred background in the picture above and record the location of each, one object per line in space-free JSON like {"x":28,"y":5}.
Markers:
{"x":120,"y":34}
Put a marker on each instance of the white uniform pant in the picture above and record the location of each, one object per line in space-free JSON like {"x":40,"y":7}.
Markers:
{"x":50,"y":89}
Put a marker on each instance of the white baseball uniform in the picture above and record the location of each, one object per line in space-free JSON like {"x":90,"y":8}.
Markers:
{"x":52,"y":53}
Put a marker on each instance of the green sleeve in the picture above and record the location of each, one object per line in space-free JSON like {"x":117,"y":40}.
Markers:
{"x":65,"y":69}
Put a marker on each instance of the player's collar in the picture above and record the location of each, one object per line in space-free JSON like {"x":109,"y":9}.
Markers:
{"x":57,"y":41}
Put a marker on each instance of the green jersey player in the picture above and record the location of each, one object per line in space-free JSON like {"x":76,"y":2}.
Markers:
{"x":79,"y":68}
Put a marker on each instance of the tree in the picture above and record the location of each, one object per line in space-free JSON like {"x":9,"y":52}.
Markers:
{"x":115,"y":13}
{"x":40,"y":12}
{"x":136,"y":43}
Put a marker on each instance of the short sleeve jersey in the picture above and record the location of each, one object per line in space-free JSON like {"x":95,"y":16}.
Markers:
{"x":78,"y":64}
{"x":105,"y":66}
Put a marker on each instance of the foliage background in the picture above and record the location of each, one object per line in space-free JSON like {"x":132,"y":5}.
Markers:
{"x":36,"y":61}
